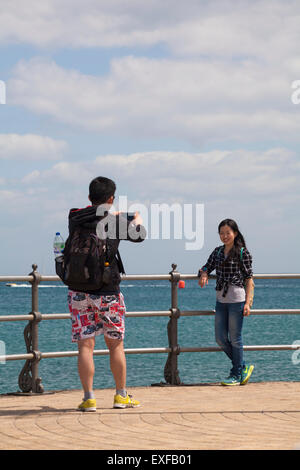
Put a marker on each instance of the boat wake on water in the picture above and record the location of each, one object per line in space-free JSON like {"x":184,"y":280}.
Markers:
{"x":12,"y":284}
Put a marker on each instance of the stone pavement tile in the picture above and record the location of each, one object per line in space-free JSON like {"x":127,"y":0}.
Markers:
{"x":244,"y":431}
{"x":88,"y":431}
{"x":136,"y":436}
{"x":164,"y":430}
{"x":9,"y":434}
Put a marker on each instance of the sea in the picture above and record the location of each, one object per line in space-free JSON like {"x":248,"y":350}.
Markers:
{"x":143,"y":332}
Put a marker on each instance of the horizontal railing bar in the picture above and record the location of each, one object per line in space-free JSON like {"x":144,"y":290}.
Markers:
{"x":137,"y":277}
{"x":62,"y":316}
{"x":190,"y":313}
{"x":255,"y":276}
{"x":50,"y":278}
{"x":98,"y":352}
{"x":16,"y":357}
{"x":66,"y":316}
{"x":193,"y":313}
{"x":56,"y":316}
{"x":16,"y":317}
{"x":126,"y":277}
{"x":278,"y":347}
{"x":154,"y":313}
{"x":148,"y":351}
{"x":149,"y":313}
{"x":105,"y":352}
{"x":276,"y":276}
{"x":278,"y":311}
{"x":16,"y":278}
{"x":146,"y":277}
{"x":263,"y":347}
{"x":47,"y":355}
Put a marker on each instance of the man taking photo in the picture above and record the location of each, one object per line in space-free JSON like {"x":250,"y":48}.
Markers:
{"x":92,"y":272}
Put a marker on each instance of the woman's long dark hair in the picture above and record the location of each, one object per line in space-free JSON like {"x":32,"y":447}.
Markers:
{"x":239,"y":241}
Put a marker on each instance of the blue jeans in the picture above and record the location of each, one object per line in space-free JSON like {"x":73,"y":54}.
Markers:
{"x":228,"y":330}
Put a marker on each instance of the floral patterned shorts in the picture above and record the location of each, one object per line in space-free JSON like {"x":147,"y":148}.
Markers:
{"x":93,"y":315}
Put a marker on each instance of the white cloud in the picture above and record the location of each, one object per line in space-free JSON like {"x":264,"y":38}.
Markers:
{"x":7,"y":195}
{"x":248,"y":28}
{"x":181,"y":176}
{"x":224,"y":74}
{"x":257,"y":188}
{"x":227,"y":77}
{"x":195,"y":101}
{"x":259,"y":30}
{"x":31,"y":177}
{"x":69,"y":172}
{"x":31,"y":147}
{"x":89,"y":24}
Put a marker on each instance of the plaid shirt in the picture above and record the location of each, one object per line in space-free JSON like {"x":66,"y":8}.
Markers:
{"x":233,"y":271}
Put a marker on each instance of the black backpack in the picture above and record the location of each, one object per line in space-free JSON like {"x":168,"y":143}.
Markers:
{"x":84,"y":264}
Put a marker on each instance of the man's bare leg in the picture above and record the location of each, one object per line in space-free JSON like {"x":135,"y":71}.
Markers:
{"x":86,"y":367}
{"x":118,"y":368}
{"x":117,"y":361}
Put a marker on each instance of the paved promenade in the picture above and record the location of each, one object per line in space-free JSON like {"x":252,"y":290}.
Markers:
{"x":255,"y":416}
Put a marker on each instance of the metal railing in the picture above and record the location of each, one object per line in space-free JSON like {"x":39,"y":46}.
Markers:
{"x":29,"y":380}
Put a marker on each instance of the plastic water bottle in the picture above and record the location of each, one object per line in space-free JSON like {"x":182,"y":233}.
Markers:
{"x":58,"y":245}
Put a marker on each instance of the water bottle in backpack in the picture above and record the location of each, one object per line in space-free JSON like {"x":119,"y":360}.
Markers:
{"x":58,"y":245}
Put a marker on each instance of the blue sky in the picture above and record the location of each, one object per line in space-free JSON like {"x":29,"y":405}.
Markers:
{"x":178,"y":103}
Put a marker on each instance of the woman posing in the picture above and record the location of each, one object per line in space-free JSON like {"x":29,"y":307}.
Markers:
{"x":233,"y":264}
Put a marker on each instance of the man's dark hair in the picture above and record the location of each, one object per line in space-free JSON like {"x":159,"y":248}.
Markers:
{"x":101,"y":189}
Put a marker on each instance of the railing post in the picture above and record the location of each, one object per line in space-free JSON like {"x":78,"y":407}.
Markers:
{"x":171,"y":372}
{"x":29,"y":381}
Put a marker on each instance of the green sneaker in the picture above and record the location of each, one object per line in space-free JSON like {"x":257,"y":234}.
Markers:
{"x":246,"y":373}
{"x":231,"y":380}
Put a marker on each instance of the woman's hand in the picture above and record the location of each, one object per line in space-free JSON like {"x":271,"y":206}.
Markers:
{"x":203,"y":279}
{"x":249,"y":296}
{"x":246,"y":311}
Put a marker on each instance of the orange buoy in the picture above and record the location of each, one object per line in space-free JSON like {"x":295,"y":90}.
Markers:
{"x":181,"y":284}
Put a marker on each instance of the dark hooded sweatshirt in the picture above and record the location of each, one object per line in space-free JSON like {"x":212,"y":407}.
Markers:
{"x":119,"y":229}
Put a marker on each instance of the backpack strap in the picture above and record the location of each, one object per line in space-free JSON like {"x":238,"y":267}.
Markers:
{"x":241,"y":260}
{"x":120,"y":263}
{"x":241,"y":254}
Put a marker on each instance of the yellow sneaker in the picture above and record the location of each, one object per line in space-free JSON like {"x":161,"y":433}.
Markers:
{"x":127,"y":402}
{"x":87,"y":405}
